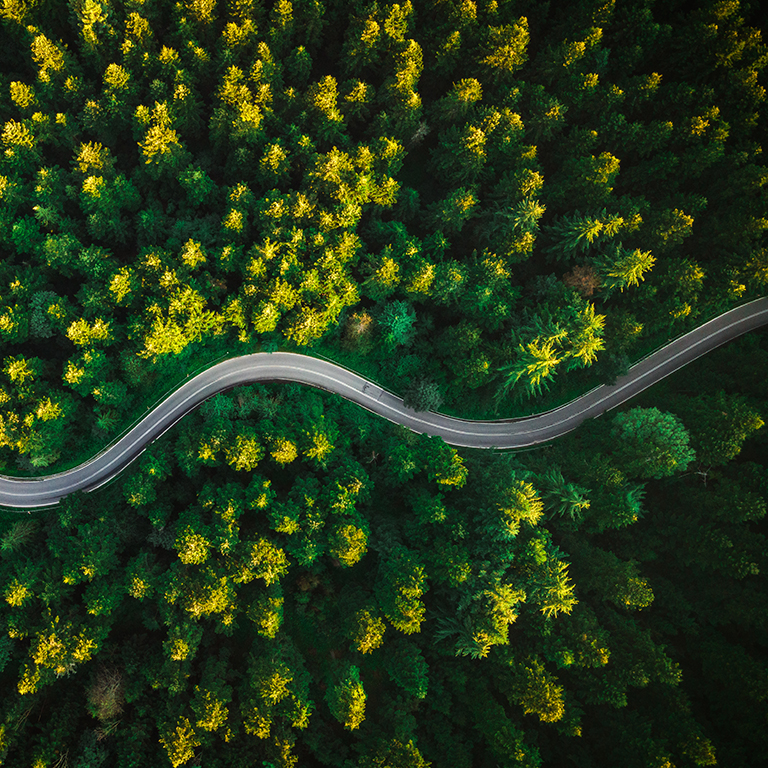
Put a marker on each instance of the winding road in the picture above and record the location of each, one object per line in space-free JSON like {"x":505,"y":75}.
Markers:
{"x":27,"y":493}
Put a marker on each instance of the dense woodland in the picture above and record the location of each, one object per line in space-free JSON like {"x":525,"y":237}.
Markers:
{"x":486,"y":207}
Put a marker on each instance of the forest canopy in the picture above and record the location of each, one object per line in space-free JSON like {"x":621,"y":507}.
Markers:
{"x":487,"y":207}
{"x":483,"y":201}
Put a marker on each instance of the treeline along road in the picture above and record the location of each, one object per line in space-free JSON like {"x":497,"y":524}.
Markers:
{"x":287,"y":366}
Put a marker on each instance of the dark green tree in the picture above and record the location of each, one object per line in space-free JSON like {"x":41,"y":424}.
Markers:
{"x":650,"y":443}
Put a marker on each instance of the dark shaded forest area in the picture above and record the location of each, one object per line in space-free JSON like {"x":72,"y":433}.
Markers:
{"x":487,"y":207}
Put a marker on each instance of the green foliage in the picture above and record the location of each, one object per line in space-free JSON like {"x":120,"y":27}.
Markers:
{"x":180,"y":742}
{"x":244,"y":452}
{"x":397,"y":319}
{"x":266,"y":611}
{"x":265,"y":561}
{"x":198,"y":185}
{"x":161,"y":148}
{"x":193,"y":547}
{"x":565,"y":499}
{"x":459,"y":202}
{"x":506,"y":49}
{"x":407,"y":667}
{"x":322,"y":100}
{"x":346,"y":698}
{"x":483,"y":622}
{"x":577,"y":234}
{"x":18,"y":535}
{"x":368,"y":631}
{"x":537,"y":692}
{"x":452,"y":213}
{"x":614,"y":503}
{"x":719,"y":424}
{"x":620,"y":268}
{"x":399,"y":590}
{"x":574,"y":337}
{"x":519,"y":502}
{"x":423,"y":395}
{"x":555,"y":590}
{"x":396,"y":754}
{"x":347,"y":543}
{"x":651,"y":443}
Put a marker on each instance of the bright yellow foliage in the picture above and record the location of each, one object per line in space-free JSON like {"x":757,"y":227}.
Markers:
{"x":284,"y":451}
{"x":47,"y":56}
{"x":22,"y":95}
{"x":192,"y":546}
{"x":17,"y":134}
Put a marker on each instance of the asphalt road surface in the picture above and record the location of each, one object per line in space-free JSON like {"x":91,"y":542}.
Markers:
{"x":24,"y":493}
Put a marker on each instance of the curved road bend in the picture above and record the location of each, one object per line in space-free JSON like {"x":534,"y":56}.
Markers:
{"x":287,"y":366}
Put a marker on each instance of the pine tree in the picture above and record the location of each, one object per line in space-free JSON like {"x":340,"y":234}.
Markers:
{"x":398,"y":93}
{"x":161,"y":149}
{"x":423,"y":394}
{"x":347,"y":543}
{"x":461,"y":155}
{"x":322,"y":99}
{"x":395,"y":753}
{"x":536,"y":363}
{"x":18,"y":535}
{"x":506,"y":50}
{"x":586,"y":337}
{"x":397,"y":320}
{"x":399,"y":589}
{"x":452,"y":213}
{"x":245,"y":451}
{"x":266,"y":611}
{"x":573,"y":234}
{"x":620,"y":268}
{"x":362,"y":44}
{"x":719,"y":424}
{"x":407,"y":668}
{"x":536,"y":691}
{"x":368,"y":631}
{"x":346,"y":697}
{"x":565,"y":499}
{"x":180,"y":741}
